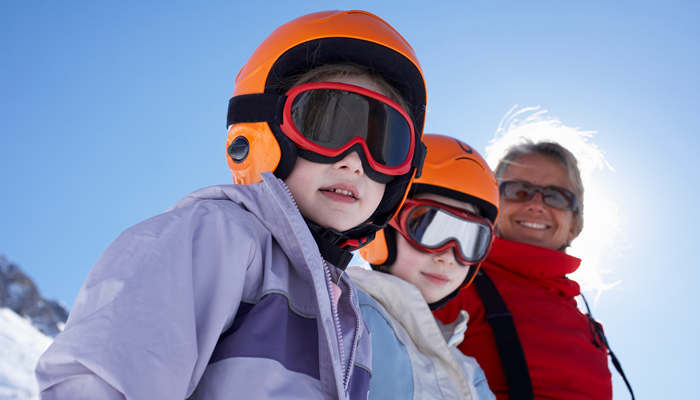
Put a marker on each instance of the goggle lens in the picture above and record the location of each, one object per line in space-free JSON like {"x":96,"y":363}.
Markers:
{"x":433,"y":228}
{"x":329,"y":117}
{"x":553,"y":196}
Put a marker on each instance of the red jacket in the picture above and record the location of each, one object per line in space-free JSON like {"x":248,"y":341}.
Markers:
{"x":556,"y":337}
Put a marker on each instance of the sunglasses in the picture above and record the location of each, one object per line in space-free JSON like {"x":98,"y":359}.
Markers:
{"x":435,"y":227}
{"x":553,"y":196}
{"x":327,"y":120}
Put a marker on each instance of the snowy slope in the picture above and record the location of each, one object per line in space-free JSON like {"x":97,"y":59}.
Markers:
{"x":21,"y":344}
{"x":19,"y":293}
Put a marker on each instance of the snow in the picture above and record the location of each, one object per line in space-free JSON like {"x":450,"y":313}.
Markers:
{"x":20,"y":347}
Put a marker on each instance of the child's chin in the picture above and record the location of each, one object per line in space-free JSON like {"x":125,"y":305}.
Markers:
{"x":335,"y":227}
{"x":333,"y":224}
{"x":432,"y":297}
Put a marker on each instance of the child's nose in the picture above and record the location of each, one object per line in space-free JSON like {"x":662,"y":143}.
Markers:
{"x":352,"y":162}
{"x":447,"y":257}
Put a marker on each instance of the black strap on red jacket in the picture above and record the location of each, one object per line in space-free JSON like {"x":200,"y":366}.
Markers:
{"x":508,"y":343}
{"x":598,"y":332}
{"x":506,"y":336}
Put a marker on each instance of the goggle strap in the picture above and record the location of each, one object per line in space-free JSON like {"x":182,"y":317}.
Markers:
{"x":418,"y":159}
{"x":255,"y":107}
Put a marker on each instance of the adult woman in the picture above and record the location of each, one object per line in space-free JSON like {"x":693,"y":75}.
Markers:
{"x":525,"y":329}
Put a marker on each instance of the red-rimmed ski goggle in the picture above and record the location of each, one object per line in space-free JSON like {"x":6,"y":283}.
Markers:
{"x":329,"y":119}
{"x":435,"y":227}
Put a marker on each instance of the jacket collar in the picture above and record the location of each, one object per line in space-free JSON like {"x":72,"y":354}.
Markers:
{"x":272,"y":203}
{"x":532,"y":261}
{"x":258,"y":198}
{"x":547,"y":267}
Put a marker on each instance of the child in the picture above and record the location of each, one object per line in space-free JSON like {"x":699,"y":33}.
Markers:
{"x":238,"y":291}
{"x":430,"y":250}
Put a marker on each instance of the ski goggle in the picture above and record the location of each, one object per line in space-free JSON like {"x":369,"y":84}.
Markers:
{"x":328,"y":118}
{"x":553,"y":196}
{"x":435,"y":227}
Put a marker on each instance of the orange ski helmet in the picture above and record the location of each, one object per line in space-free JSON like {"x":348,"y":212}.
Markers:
{"x":307,"y":42}
{"x":451,"y":169}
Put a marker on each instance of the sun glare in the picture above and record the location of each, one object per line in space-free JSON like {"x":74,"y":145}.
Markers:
{"x":599,"y":241}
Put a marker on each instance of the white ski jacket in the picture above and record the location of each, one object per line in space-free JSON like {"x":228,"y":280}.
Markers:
{"x":414,"y":355}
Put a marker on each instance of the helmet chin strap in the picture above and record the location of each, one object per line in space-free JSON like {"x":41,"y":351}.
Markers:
{"x":336,"y":247}
{"x":329,"y":241}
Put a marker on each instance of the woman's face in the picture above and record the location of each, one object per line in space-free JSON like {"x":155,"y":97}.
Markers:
{"x":534,"y":222}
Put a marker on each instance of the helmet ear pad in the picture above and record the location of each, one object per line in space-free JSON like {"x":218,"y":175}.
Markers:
{"x":263,"y":152}
{"x":266,"y":151}
{"x":380,"y":253}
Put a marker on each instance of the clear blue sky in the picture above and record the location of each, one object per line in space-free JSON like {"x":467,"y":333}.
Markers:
{"x":111,"y":112}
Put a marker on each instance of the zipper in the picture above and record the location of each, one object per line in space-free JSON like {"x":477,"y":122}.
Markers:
{"x":356,"y":342}
{"x":289,"y":192}
{"x":336,"y":323}
{"x":334,"y":309}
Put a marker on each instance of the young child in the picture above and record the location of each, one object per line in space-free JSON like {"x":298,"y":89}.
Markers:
{"x":238,"y":291}
{"x":430,"y":250}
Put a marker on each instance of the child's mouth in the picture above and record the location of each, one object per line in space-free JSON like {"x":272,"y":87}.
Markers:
{"x":340,"y":193}
{"x":436,"y":278}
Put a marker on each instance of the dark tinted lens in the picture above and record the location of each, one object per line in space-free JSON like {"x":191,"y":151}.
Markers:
{"x":517,"y":191}
{"x":553,"y":196}
{"x":433,"y":227}
{"x":331,"y":118}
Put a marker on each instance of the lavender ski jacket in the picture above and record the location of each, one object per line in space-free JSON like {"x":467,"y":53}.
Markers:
{"x":224,"y":296}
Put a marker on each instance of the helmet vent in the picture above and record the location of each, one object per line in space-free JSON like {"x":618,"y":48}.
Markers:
{"x":238,"y":149}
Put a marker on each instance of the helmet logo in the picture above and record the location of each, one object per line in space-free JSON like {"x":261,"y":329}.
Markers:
{"x":464,"y":147}
{"x":238,"y":149}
